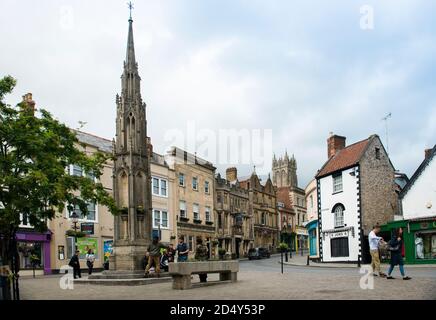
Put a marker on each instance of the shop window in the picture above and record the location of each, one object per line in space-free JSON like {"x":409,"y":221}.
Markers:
{"x":29,"y":252}
{"x":425,"y":245}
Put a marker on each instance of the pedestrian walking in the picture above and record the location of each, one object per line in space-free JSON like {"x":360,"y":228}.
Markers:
{"x":154,"y":256}
{"x":395,"y":247}
{"x":75,"y":264}
{"x":201,"y":254}
{"x":90,"y":258}
{"x":182,"y":250}
{"x":374,"y":244}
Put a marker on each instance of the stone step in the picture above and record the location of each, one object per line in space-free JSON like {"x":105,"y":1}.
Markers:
{"x":122,"y":282}
{"x":124,"y":275}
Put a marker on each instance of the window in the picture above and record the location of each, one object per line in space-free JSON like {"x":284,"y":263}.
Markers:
{"x":337,"y":183}
{"x":156,"y":186}
{"x":182,"y":205}
{"x":195,"y":183}
{"x":377,"y":153}
{"x":191,"y":243}
{"x":339,"y":247}
{"x":25,"y":223}
{"x":263,"y":218}
{"x":339,"y":215}
{"x":220,"y":221}
{"x":206,"y":187}
{"x":219,"y":198}
{"x":159,"y":187}
{"x":163,"y":187}
{"x":181,"y":179}
{"x":196,"y":211}
{"x":92,"y":212}
{"x":311,"y":201}
{"x":77,"y":171}
{"x":207,"y":214}
{"x":160,"y":218}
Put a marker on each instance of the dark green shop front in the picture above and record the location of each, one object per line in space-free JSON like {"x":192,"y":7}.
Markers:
{"x":419,"y":239}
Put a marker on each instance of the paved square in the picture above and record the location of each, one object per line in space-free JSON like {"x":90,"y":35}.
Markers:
{"x":256,"y":280}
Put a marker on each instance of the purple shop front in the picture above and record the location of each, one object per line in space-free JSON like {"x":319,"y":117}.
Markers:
{"x":34,"y":244}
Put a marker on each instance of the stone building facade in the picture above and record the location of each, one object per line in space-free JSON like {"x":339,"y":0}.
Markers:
{"x":263,"y":206}
{"x":233,"y":219}
{"x":194,"y":197}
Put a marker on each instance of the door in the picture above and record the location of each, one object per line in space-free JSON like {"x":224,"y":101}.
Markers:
{"x":313,"y":241}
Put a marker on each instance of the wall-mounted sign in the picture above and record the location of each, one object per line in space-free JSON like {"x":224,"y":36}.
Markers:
{"x":87,"y":228}
{"x":61,"y":252}
{"x":339,"y":234}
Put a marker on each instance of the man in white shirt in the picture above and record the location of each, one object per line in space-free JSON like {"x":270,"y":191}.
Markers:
{"x":374,"y":242}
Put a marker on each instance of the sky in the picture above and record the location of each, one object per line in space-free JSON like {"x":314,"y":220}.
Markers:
{"x":297,"y":69}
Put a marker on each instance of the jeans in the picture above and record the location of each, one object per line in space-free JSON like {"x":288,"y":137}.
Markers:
{"x":391,"y":268}
{"x":182,"y":258}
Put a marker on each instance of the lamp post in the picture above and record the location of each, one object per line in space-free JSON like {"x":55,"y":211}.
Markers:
{"x":75,"y":220}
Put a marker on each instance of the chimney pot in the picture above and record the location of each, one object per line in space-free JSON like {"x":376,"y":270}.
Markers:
{"x":428,"y":153}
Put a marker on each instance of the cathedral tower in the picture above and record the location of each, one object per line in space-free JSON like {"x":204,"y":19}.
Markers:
{"x":131,"y":173}
{"x":285,"y":171}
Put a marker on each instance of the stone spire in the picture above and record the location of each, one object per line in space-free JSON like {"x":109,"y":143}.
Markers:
{"x":131,"y":172}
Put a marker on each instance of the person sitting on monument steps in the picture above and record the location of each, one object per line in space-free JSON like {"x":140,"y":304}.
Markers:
{"x":201,"y":254}
{"x":182,"y":250}
{"x":154,"y":256}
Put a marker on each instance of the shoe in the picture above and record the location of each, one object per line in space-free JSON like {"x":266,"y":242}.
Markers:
{"x":375,"y":275}
{"x":390,"y":277}
{"x":382,"y":275}
{"x":407,"y":278}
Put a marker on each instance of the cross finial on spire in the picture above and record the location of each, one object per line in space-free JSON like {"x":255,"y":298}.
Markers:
{"x":130,"y":5}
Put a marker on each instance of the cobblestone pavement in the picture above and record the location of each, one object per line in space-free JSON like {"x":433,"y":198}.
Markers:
{"x":256,"y":280}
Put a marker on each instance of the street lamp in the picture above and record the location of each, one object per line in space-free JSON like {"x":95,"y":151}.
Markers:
{"x":75,"y":220}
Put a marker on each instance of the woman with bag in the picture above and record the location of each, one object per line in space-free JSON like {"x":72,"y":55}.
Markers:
{"x":395,"y":247}
{"x":90,"y":258}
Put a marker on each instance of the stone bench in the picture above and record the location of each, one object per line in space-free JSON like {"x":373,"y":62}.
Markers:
{"x":182,"y":271}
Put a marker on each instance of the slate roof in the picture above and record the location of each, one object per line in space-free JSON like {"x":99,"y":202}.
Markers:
{"x":418,"y":172}
{"x":102,"y":144}
{"x":345,"y":158}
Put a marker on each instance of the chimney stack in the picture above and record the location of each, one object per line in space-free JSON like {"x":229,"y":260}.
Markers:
{"x":232,"y":174}
{"x":428,"y":153}
{"x":29,"y":103}
{"x":335,"y":144}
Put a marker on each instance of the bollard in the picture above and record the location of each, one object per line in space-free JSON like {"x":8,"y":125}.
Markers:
{"x":307,"y":261}
{"x":358,"y":260}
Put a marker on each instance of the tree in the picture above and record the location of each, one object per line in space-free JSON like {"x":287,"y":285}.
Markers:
{"x":35,"y":152}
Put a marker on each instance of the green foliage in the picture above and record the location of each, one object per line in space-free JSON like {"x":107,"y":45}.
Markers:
{"x":283,"y":246}
{"x":35,"y":152}
{"x":77,"y":234}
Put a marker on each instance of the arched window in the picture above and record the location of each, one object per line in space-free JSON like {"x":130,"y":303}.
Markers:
{"x":338,"y":211}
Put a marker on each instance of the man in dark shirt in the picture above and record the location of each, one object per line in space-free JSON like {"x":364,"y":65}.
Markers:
{"x":182,"y":250}
{"x":75,"y":264}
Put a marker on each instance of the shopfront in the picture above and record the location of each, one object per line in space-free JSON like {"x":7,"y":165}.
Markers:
{"x":34,"y":251}
{"x":419,"y":239}
{"x":301,"y":238}
{"x":312,"y":230}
